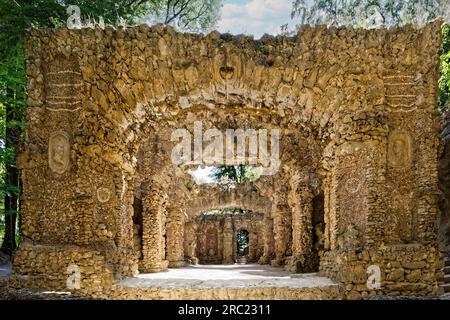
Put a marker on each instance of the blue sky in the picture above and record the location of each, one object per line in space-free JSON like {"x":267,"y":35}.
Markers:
{"x":254,"y":17}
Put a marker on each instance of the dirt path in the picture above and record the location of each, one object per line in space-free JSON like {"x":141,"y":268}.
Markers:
{"x":5,"y":265}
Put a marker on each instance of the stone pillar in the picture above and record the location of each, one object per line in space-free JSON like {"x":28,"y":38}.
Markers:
{"x":228,"y":241}
{"x":302,"y":208}
{"x":190,"y":242}
{"x":153,"y":231}
{"x":268,"y":239}
{"x":252,"y":245}
{"x":220,"y":228}
{"x":175,"y":238}
{"x":280,"y":235}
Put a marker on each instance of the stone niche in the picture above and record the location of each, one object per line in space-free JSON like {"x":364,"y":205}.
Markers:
{"x":357,"y":130}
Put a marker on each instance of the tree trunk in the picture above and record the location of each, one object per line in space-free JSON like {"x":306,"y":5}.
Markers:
{"x":11,"y":180}
{"x":11,"y":208}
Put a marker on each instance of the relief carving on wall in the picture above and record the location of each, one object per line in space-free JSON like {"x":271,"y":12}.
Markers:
{"x":211,"y":241}
{"x":63,"y":84}
{"x":399,"y":150}
{"x":353,"y":185}
{"x":401,"y":91}
{"x":103,"y":194}
{"x":402,"y":216}
{"x":59,"y":152}
{"x":352,"y":190}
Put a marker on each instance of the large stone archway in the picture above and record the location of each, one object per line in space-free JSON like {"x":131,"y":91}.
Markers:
{"x":357,"y":113}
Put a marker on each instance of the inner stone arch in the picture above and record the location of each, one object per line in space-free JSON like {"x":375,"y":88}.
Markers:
{"x":174,"y":201}
{"x":216,"y":233}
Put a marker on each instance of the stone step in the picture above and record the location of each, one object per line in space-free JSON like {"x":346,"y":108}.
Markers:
{"x":447,"y":269}
{"x":242,"y":260}
{"x":447,"y":278}
{"x":447,"y":261}
{"x":446,"y":287}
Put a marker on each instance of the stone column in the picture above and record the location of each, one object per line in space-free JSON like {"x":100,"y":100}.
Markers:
{"x":220,"y":228}
{"x":252,"y":245}
{"x":228,"y":241}
{"x":280,"y":232}
{"x":302,"y":209}
{"x":190,"y":242}
{"x":175,"y":237}
{"x":153,"y":231}
{"x":268,"y":239}
{"x":280,"y":243}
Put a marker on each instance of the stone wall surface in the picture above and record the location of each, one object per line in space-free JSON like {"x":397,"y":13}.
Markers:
{"x":356,"y":110}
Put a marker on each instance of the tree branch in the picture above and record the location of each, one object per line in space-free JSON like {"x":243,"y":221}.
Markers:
{"x":201,"y":12}
{"x":183,"y":7}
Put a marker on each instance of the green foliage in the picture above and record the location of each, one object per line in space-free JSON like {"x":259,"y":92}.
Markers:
{"x":2,"y":224}
{"x":111,"y":10}
{"x":444,"y":82}
{"x":242,"y":242}
{"x":230,"y":211}
{"x":234,"y":174}
{"x":189,"y":186}
{"x":186,"y":15}
{"x":18,"y":15}
{"x":263,"y":48}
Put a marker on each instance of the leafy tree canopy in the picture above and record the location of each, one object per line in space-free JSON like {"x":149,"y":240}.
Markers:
{"x":368,"y":13}
{"x":234,"y":174}
{"x":186,"y":15}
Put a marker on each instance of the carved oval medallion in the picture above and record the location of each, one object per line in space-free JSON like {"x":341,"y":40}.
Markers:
{"x":59,"y":152}
{"x":352,"y":185}
{"x":399,"y":153}
{"x":103,"y":194}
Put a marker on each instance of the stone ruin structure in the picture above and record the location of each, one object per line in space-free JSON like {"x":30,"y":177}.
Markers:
{"x":216,"y":241}
{"x":357,"y":186}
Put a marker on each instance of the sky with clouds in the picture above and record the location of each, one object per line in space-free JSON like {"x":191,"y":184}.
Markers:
{"x":254,"y":17}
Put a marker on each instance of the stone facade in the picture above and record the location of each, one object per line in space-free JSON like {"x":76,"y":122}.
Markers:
{"x":357,"y":185}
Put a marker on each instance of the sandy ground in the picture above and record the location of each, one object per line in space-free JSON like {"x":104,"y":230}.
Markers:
{"x":227,"y":276}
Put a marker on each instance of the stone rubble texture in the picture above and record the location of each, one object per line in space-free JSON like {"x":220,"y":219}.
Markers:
{"x":357,"y":186}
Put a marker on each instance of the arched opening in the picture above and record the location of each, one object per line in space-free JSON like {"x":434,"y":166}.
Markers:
{"x":226,"y":236}
{"x":242,"y":246}
{"x":187,"y":206}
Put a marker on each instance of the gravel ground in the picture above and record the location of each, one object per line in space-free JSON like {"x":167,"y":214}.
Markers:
{"x":443,"y":297}
{"x":28,"y":294}
{"x":4,"y":258}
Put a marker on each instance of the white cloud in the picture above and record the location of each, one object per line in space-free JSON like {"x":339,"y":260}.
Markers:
{"x":255,"y":17}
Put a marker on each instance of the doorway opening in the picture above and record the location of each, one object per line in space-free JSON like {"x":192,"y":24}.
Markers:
{"x":242,"y":246}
